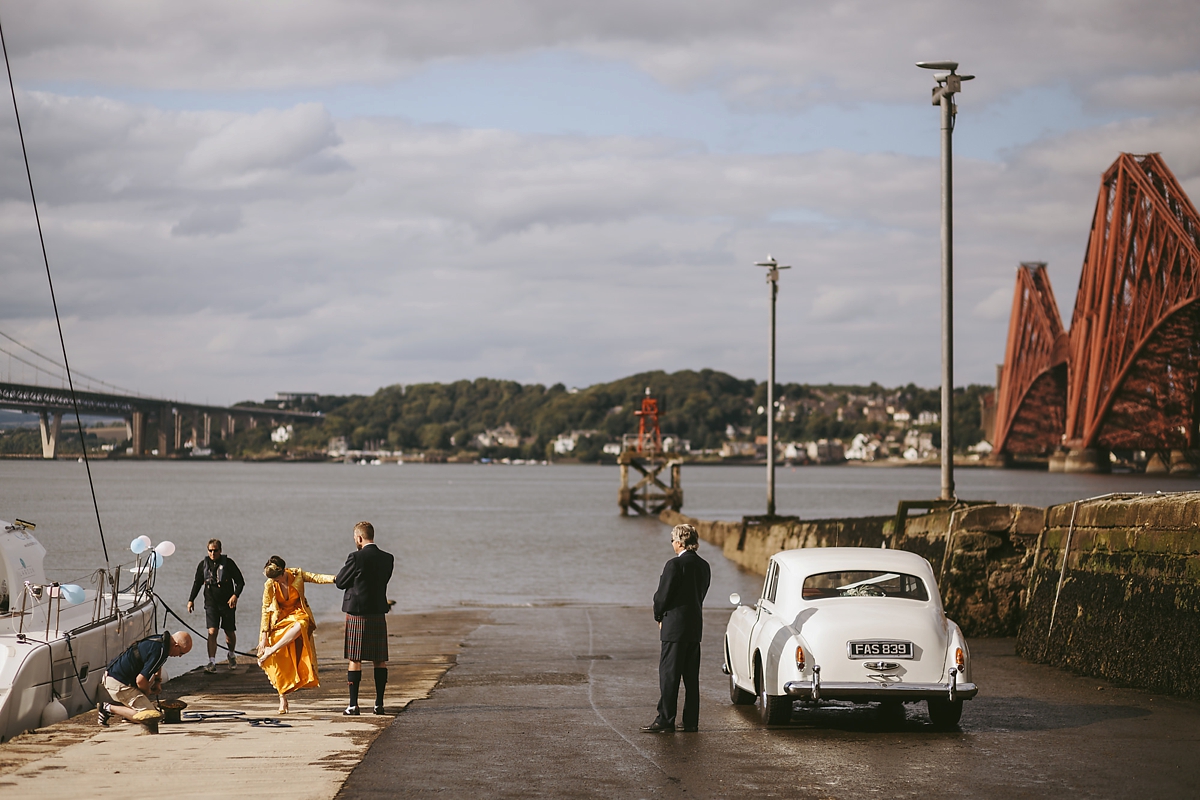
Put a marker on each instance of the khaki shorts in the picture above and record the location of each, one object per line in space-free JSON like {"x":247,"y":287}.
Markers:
{"x":128,"y":696}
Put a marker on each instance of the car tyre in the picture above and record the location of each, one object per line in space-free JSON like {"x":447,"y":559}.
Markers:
{"x":773,"y":709}
{"x":944,"y":714}
{"x":739,"y":696}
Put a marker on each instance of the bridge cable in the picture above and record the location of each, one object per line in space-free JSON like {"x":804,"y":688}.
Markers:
{"x":46,"y":259}
{"x":44,"y":357}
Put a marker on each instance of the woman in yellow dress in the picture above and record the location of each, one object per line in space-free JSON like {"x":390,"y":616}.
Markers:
{"x":285,"y":645}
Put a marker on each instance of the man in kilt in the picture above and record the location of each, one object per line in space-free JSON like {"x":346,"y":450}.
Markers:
{"x":365,"y":578}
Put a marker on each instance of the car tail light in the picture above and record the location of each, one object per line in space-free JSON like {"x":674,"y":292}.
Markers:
{"x":799,"y":657}
{"x":959,"y":658}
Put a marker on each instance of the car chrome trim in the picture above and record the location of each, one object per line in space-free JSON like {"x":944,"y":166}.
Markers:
{"x":953,"y":682}
{"x":814,"y":691}
{"x":805,"y":690}
{"x":880,"y":665}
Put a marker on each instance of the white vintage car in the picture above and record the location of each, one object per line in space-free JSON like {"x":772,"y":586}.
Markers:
{"x":847,"y":623}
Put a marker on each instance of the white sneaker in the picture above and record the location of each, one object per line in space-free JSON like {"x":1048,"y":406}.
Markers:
{"x":232,"y":660}
{"x":210,"y":667}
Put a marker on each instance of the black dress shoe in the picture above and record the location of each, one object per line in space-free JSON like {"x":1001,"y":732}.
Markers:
{"x":690,"y":730}
{"x":658,"y":727}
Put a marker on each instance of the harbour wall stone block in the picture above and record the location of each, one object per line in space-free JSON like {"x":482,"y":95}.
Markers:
{"x":1126,"y":606}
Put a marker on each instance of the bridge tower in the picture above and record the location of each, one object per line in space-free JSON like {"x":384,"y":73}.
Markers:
{"x":1031,"y":393}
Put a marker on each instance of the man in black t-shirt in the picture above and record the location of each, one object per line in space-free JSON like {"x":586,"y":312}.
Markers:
{"x":223,"y":584}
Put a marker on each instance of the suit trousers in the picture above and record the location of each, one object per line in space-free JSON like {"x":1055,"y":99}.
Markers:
{"x":679,"y":660}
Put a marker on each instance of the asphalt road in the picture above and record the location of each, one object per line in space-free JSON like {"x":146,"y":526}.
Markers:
{"x":547,"y":702}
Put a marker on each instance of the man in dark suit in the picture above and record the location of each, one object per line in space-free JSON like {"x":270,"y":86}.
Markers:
{"x":678,"y":607}
{"x":365,"y":578}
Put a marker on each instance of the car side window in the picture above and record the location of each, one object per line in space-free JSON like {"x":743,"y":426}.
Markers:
{"x":772,"y":582}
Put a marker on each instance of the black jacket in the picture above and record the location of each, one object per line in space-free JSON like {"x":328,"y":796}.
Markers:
{"x":221,"y":580}
{"x":365,"y":578}
{"x":680,"y":597}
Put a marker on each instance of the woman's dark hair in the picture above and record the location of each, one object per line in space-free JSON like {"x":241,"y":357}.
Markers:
{"x":274,"y":567}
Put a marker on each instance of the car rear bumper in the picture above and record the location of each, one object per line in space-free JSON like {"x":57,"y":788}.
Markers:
{"x":803,"y":690}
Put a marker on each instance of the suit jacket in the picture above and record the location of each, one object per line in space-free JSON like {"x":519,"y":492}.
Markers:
{"x":680,"y":597}
{"x":296,"y":578}
{"x":365,"y":578}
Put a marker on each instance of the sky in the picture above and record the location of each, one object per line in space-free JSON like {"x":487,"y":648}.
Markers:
{"x":244,"y":198}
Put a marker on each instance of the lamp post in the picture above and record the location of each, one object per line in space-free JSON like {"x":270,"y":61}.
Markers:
{"x":773,"y":268}
{"x":947,"y":84}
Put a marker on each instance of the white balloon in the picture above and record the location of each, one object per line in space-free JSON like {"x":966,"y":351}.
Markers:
{"x":165,"y":548}
{"x":72,"y":593}
{"x":140,"y":544}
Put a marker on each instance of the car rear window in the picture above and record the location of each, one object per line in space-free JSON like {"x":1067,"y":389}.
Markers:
{"x":864,"y":583}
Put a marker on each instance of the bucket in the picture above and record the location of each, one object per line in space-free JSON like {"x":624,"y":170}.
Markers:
{"x":171,"y":711}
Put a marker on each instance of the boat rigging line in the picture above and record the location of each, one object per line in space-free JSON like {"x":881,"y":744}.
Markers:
{"x":46,"y":260}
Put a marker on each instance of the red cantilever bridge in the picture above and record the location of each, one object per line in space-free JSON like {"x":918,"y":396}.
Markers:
{"x":1126,"y":373}
{"x":144,"y":416}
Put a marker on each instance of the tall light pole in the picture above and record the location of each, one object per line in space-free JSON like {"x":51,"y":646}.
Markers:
{"x":773,"y":268}
{"x":948,"y":83}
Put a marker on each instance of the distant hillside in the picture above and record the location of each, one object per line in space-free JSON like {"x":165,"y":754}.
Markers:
{"x":704,"y":407}
{"x":707,"y":408}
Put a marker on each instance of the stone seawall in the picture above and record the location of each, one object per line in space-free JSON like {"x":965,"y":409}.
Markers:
{"x":1127,"y":605}
{"x":982,"y":584}
{"x":1108,"y":587}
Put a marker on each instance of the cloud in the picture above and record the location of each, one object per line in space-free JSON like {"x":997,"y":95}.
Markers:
{"x":209,"y":221}
{"x":996,"y":306}
{"x":225,"y":254}
{"x":764,"y":53}
{"x":1171,"y":91}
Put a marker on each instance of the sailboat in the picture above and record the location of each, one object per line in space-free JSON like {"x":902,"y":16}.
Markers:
{"x":57,"y":639}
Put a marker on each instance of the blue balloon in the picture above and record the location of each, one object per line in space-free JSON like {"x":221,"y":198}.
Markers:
{"x":72,"y":594}
{"x":140,"y":544}
{"x":157,"y":560}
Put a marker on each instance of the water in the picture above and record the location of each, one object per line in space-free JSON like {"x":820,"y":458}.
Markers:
{"x":463,"y":535}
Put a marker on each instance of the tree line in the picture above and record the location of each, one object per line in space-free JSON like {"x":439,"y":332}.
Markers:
{"x":704,"y":407}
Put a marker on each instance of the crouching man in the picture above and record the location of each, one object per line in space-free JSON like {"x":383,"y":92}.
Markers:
{"x":137,"y":673}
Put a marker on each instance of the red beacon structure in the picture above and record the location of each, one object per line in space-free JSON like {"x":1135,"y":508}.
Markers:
{"x":645,"y":454}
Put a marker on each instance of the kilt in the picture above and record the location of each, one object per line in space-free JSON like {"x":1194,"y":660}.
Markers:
{"x":366,"y":638}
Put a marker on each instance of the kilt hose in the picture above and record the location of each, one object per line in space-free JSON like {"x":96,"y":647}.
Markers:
{"x":366,"y":638}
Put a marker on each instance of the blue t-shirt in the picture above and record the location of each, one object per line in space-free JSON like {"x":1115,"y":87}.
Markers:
{"x":143,"y":658}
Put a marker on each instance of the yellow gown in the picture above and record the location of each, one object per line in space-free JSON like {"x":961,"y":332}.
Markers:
{"x":295,"y":666}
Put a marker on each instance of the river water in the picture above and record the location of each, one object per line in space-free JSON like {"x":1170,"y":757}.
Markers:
{"x":463,"y":534}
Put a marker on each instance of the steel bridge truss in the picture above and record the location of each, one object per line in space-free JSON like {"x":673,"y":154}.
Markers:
{"x":1128,"y":373}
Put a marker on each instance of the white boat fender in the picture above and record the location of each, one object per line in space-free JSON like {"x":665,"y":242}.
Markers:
{"x":53,"y":712}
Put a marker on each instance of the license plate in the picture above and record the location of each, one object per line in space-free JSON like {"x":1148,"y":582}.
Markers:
{"x":878,"y":648}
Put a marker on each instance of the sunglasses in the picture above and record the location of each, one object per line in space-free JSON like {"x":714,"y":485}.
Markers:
{"x":211,"y":550}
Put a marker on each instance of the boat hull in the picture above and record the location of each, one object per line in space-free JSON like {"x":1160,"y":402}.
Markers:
{"x":66,"y":662}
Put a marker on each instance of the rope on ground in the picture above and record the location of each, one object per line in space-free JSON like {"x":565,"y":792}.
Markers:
{"x":202,"y":635}
{"x":233,"y":716}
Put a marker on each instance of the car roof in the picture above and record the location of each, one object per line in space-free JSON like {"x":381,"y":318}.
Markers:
{"x":809,"y":560}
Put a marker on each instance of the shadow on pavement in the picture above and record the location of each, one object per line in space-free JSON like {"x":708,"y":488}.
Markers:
{"x":982,"y":715}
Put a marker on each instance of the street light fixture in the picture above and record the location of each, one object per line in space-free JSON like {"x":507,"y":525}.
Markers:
{"x":948,"y":83}
{"x":773,"y":268}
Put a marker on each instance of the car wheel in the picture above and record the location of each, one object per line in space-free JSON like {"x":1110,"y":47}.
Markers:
{"x":773,"y":709}
{"x":944,"y":714}
{"x":739,"y":696}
